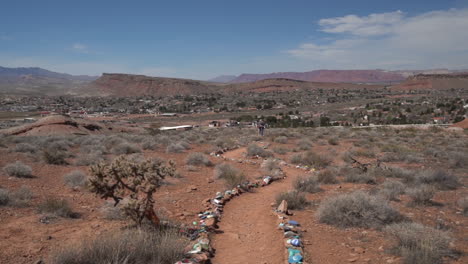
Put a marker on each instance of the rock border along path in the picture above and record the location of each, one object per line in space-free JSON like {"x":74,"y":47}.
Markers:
{"x":247,"y":232}
{"x":201,"y":250}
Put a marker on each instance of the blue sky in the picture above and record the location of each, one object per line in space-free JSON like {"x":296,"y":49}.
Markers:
{"x":203,"y":39}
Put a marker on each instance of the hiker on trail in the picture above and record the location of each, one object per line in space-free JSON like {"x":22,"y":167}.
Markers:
{"x":261,"y":127}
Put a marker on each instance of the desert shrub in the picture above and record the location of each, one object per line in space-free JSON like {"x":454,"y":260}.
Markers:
{"x":357,"y":209}
{"x":18,"y":169}
{"x":327,"y":176}
{"x":75,"y":179}
{"x":132,"y":247}
{"x":463,"y":203}
{"x":280,"y":150}
{"x":296,"y":159}
{"x":111,"y":211}
{"x":333,"y":141}
{"x":175,"y":148}
{"x":197,"y":159}
{"x":225,"y":143}
{"x":90,"y":159}
{"x":418,"y":244}
{"x":395,"y":172}
{"x":54,"y":157}
{"x":313,"y":159}
{"x":281,"y":140}
{"x":56,"y":207}
{"x":134,"y":182}
{"x":185,"y":144}
{"x":392,"y":189}
{"x":60,"y":145}
{"x":458,"y":159}
{"x":440,"y":179}
{"x":25,"y":148}
{"x":368,"y":153}
{"x":125,"y":148}
{"x":256,"y":150}
{"x":308,"y":184}
{"x":149,"y":144}
{"x":296,"y":200}
{"x":18,"y":198}
{"x":421,"y":195}
{"x":356,"y":176}
{"x":304,"y":144}
{"x":21,"y":197}
{"x":232,"y":175}
{"x":270,"y":165}
{"x":4,"y":197}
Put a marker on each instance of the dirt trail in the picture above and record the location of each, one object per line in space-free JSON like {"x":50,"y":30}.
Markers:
{"x":249,"y":227}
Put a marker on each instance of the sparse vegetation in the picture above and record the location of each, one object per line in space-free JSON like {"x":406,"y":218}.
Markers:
{"x":197,"y":159}
{"x":418,"y":244}
{"x":55,"y":157}
{"x":463,"y":203}
{"x":357,"y":209}
{"x":26,"y":148}
{"x":421,"y":195}
{"x":230,"y":174}
{"x":18,"y":170}
{"x":281,"y":140}
{"x":175,"y":148}
{"x":56,"y":207}
{"x":312,"y":159}
{"x":357,"y":176}
{"x":440,"y":179}
{"x":333,"y":141}
{"x":327,"y":176}
{"x":125,"y":148}
{"x":296,"y":200}
{"x":391,"y":189}
{"x":75,"y":179}
{"x":280,"y":150}
{"x":304,"y":144}
{"x":308,"y":184}
{"x":141,"y":246}
{"x":256,"y":150}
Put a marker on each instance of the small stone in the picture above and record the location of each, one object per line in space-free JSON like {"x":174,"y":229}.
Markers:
{"x":283,"y":207}
{"x":352,"y":259}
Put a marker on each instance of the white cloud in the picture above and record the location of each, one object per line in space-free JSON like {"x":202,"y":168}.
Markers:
{"x":374,"y":24}
{"x":392,"y":40}
{"x":81,"y":48}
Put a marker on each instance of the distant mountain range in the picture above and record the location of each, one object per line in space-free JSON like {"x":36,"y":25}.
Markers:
{"x":335,"y":76}
{"x":35,"y":71}
{"x":37,"y":81}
